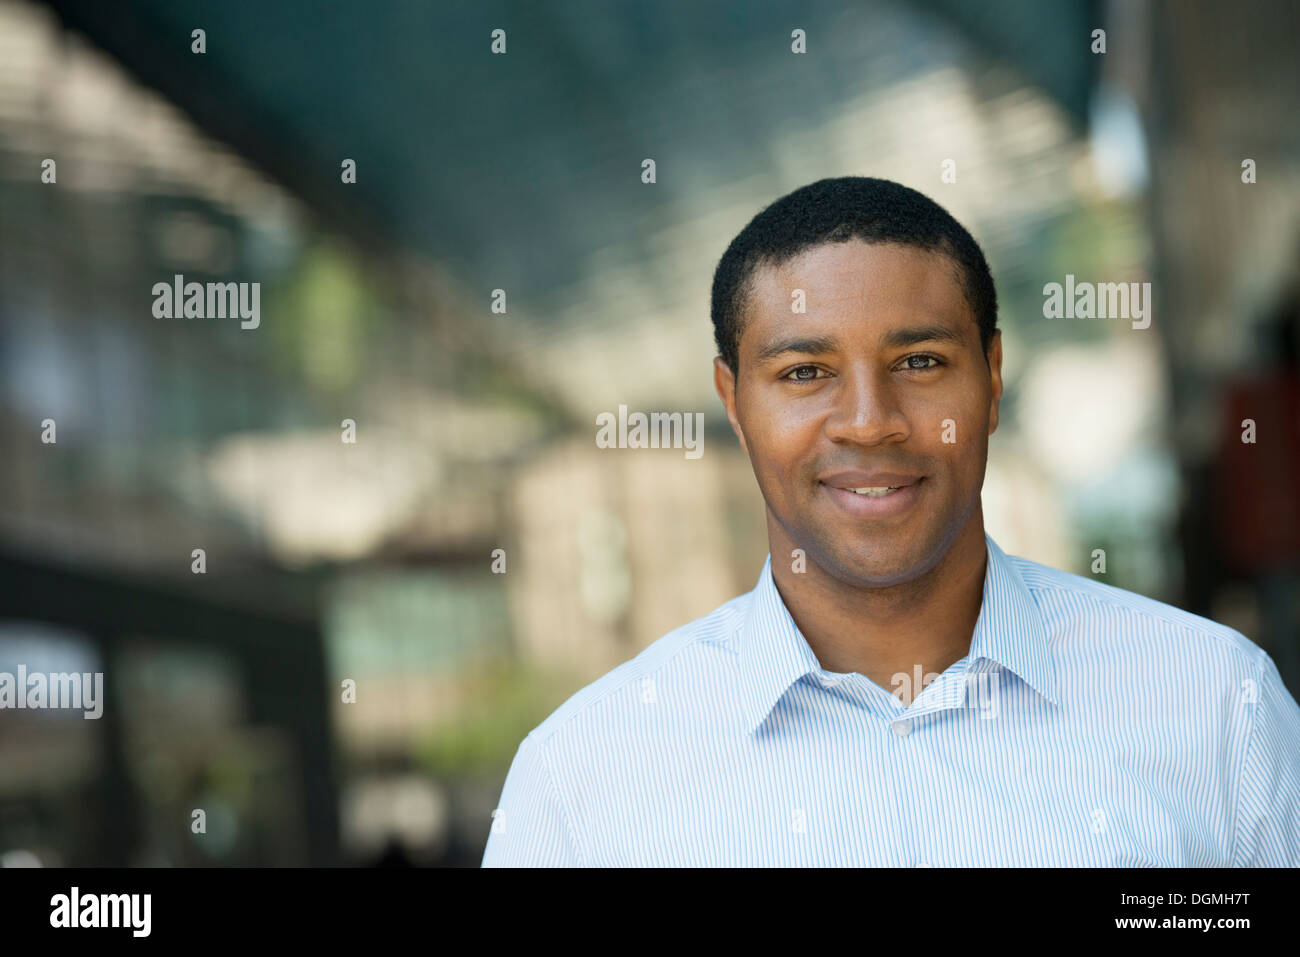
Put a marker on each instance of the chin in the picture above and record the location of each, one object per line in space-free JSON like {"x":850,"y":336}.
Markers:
{"x":876,"y":570}
{"x":877,"y":577}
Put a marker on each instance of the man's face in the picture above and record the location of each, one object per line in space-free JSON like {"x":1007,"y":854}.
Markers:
{"x":880,"y":383}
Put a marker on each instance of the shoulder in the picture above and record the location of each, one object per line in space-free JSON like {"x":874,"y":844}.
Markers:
{"x":684,"y":657}
{"x":1089,"y":611}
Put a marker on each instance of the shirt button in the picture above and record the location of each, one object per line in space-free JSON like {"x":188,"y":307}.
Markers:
{"x":829,"y":682}
{"x":902,"y":728}
{"x":922,"y":864}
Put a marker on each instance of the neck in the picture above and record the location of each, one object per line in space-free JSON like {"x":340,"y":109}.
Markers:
{"x":884,"y":632}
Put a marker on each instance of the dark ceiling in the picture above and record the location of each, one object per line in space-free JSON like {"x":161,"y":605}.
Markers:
{"x":519,"y":164}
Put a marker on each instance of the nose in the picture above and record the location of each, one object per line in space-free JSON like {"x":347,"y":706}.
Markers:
{"x":867,"y":410}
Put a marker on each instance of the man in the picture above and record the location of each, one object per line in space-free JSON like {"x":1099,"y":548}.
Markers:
{"x":1071,"y":723}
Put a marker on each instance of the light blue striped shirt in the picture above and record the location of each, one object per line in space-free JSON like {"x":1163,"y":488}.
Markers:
{"x":1088,"y":726}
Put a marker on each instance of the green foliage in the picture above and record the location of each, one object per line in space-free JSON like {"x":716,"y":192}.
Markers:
{"x":507,"y":700}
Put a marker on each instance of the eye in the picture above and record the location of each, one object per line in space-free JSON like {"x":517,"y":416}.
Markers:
{"x":908,"y":362}
{"x":794,"y":376}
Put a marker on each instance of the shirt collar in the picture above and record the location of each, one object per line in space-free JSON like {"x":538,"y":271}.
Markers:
{"x":1009,"y":630}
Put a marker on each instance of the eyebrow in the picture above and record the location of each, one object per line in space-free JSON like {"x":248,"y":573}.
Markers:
{"x":894,"y":339}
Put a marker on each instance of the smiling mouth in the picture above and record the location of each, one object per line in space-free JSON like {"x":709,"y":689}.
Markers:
{"x":875,"y":501}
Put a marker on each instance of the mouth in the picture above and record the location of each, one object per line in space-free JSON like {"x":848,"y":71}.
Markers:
{"x":875,"y":501}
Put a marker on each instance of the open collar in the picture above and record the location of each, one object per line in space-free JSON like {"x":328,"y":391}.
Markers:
{"x":1009,"y":630}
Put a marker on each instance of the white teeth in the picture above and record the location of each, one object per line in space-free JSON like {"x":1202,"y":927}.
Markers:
{"x":878,"y":490}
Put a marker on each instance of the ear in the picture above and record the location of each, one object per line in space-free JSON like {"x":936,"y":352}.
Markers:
{"x":724,"y":380}
{"x":995,"y":371}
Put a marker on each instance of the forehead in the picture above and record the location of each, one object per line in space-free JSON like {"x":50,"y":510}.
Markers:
{"x":881,"y":284}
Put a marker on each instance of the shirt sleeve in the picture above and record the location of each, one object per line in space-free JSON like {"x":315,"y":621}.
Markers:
{"x":531,"y":826}
{"x":1267,"y":830}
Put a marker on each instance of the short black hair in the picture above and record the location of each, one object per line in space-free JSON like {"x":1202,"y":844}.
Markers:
{"x":834,"y":211}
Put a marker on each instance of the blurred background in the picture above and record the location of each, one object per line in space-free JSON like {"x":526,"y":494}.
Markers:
{"x":375,"y":561}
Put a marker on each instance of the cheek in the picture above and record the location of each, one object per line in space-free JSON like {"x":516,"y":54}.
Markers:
{"x":781,"y":434}
{"x":949,"y":424}
{"x":964,"y":458}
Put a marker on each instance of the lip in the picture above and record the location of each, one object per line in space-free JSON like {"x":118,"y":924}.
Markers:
{"x":863,"y":507}
{"x":856,"y":479}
